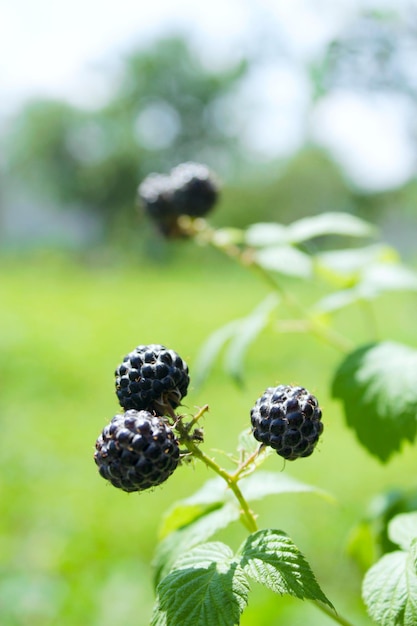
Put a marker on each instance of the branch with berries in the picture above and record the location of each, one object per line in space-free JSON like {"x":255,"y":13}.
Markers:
{"x":141,"y":448}
{"x":200,"y":582}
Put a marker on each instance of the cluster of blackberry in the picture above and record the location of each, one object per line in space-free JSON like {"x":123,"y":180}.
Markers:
{"x":139,"y":449}
{"x":190,"y":189}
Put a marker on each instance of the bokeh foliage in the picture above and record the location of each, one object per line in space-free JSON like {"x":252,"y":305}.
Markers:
{"x":94,"y":159}
{"x":165,"y":105}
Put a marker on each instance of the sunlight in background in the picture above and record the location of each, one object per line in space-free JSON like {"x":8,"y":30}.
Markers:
{"x":368,"y":136}
{"x":69,"y":49}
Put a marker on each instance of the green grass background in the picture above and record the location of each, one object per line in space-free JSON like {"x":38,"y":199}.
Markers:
{"x":74,"y":550}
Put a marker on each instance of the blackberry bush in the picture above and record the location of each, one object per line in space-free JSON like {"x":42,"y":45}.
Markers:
{"x":288,"y":419}
{"x":136,"y":451}
{"x":376,"y":382}
{"x":152,"y":377}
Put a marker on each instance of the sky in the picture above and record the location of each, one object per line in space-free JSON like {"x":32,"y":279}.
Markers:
{"x":64,"y":49}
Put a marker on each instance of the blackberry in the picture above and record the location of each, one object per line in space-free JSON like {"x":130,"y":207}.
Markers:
{"x":195,"y":191}
{"x":136,"y":451}
{"x":155,"y":191}
{"x":156,"y":195}
{"x":152,"y":378}
{"x":288,"y":419}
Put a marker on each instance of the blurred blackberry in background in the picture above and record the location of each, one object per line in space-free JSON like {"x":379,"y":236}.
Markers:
{"x":136,"y":451}
{"x":155,"y":193}
{"x":152,"y":377}
{"x":288,"y":419}
{"x":195,"y":191}
{"x":190,"y":189}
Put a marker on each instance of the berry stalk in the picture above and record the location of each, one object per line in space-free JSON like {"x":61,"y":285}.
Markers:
{"x":205,"y":233}
{"x":248,"y":517}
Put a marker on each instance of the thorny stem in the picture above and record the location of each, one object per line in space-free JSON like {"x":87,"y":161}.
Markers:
{"x":197,"y":417}
{"x":248,"y":517}
{"x":241,"y":470}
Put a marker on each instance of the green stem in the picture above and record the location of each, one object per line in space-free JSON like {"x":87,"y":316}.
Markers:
{"x":246,"y":259}
{"x":241,"y":470}
{"x":196,"y":417}
{"x":248,"y":517}
{"x":321,"y":331}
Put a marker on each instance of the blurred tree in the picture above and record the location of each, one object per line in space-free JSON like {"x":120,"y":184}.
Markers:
{"x":161,"y":112}
{"x":167,"y":107}
{"x":374,"y":52}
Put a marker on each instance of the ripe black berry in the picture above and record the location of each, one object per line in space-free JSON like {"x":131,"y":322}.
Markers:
{"x":156,"y":195}
{"x":190,"y":189}
{"x":152,"y":378}
{"x":288,"y":419}
{"x":195,"y":191}
{"x":136,"y":451}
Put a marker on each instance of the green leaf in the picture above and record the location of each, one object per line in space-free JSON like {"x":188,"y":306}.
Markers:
{"x":344,"y":267}
{"x":336,"y":301}
{"x":207,"y":587}
{"x":210,"y":351}
{"x":390,"y":589}
{"x":402,"y":529}
{"x":193,"y":520}
{"x":266,"y":234}
{"x":204,"y":555}
{"x":332,"y":223}
{"x":377,"y":385}
{"x":211,"y":497}
{"x":247,"y":443}
{"x":190,"y":535}
{"x":247,"y":331}
{"x":371,"y":282}
{"x":261,"y":484}
{"x":183,"y":514}
{"x":286,"y":260}
{"x":213,"y":490}
{"x":382,"y":277}
{"x":241,"y":333}
{"x":159,"y":618}
{"x":329,"y":224}
{"x":271,"y":558}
